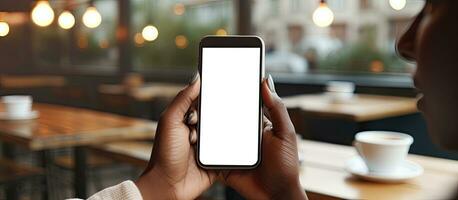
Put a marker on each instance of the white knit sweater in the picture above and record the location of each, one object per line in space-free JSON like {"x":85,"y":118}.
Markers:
{"x":126,"y":190}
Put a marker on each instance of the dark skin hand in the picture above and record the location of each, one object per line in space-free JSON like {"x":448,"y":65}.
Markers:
{"x":173,"y":172}
{"x":277,"y":177}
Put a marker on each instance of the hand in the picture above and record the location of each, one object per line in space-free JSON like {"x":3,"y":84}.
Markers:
{"x":277,"y":177}
{"x":172,"y":172}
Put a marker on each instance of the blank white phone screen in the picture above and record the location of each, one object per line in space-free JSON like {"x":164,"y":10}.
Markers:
{"x":229,"y":109}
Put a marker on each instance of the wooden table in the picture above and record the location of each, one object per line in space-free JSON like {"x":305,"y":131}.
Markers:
{"x":31,"y":81}
{"x":360,"y":108}
{"x":324,"y":177}
{"x":323,"y":173}
{"x":61,"y":126}
{"x":146,"y":92}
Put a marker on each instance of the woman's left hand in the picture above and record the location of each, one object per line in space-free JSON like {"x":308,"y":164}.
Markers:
{"x":172,"y":172}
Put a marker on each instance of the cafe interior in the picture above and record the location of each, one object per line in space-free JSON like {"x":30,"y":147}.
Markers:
{"x":94,"y":77}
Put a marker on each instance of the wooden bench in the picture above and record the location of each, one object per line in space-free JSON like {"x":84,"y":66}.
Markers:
{"x":133,"y":152}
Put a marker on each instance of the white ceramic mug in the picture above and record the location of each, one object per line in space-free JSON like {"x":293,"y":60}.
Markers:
{"x":340,"y":91}
{"x":17,"y":105}
{"x":382,"y":151}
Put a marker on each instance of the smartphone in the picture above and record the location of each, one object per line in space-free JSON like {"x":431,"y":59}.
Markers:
{"x":230,"y":104}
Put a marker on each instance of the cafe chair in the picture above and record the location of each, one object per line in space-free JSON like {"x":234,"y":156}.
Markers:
{"x":95,"y":163}
{"x":136,"y":153}
{"x":14,"y":174}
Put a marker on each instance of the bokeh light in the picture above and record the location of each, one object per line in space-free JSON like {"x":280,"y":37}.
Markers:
{"x":221,"y":32}
{"x":397,"y":4}
{"x":323,"y":15}
{"x":4,"y":29}
{"x":66,"y":20}
{"x":179,"y":9}
{"x":150,"y":33}
{"x":92,"y":17}
{"x":139,"y":40}
{"x":377,"y":66}
{"x":42,"y":14}
{"x":181,"y":41}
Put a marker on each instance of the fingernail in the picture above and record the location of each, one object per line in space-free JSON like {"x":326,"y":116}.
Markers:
{"x":270,"y":83}
{"x":192,"y":136}
{"x":194,"y":78}
{"x":189,"y":116}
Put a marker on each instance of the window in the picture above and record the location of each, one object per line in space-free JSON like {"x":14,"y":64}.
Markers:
{"x":337,"y":5}
{"x":181,"y":25}
{"x":79,"y":47}
{"x":355,"y":42}
{"x":296,"y":5}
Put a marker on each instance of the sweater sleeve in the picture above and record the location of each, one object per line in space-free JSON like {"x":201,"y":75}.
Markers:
{"x":126,"y":190}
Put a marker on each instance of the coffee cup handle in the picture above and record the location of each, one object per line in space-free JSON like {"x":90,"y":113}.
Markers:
{"x":357,"y":146}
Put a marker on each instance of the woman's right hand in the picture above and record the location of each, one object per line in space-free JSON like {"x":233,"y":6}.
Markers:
{"x":277,"y":177}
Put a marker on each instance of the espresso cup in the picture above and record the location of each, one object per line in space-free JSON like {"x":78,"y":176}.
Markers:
{"x":382,"y":151}
{"x":17,"y":105}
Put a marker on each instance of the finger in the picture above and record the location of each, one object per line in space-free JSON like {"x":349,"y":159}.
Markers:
{"x":264,"y":121}
{"x":191,"y":117}
{"x":244,"y":182}
{"x":276,"y":110}
{"x":264,"y":110}
{"x":267,"y":125}
{"x":183,"y":101}
{"x":193,"y":136}
{"x":194,"y":104}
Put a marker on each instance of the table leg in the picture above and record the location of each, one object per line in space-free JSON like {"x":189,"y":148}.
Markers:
{"x":45,"y":159}
{"x":80,"y":173}
{"x":8,"y":152}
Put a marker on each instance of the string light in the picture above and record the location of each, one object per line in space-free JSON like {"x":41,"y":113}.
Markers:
{"x":92,"y":17}
{"x":139,"y":40}
{"x":397,"y":4}
{"x":42,"y":14}
{"x":4,"y":29}
{"x":66,"y":20}
{"x":323,"y":15}
{"x":181,"y":41}
{"x":150,"y":33}
{"x":221,"y":32}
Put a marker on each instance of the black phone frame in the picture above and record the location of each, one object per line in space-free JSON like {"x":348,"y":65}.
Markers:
{"x":234,"y":41}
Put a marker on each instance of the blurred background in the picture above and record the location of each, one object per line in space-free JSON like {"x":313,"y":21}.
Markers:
{"x":158,"y":40}
{"x":130,"y":57}
{"x":359,"y":39}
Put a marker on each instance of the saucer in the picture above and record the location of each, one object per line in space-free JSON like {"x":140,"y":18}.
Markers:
{"x":32,"y":115}
{"x":407,"y":170}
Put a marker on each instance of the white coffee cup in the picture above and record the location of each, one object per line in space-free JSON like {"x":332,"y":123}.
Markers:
{"x":382,"y":151}
{"x":17,"y":105}
{"x":340,"y":91}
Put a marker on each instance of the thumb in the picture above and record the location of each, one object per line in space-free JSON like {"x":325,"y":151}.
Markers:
{"x":276,"y":110}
